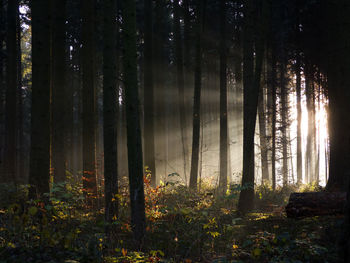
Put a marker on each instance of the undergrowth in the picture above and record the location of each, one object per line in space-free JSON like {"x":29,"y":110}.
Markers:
{"x":182,"y":226}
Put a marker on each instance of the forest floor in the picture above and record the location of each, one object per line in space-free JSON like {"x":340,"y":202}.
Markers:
{"x":182,"y":226}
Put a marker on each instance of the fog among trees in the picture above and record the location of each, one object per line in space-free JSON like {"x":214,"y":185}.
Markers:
{"x":151,"y":119}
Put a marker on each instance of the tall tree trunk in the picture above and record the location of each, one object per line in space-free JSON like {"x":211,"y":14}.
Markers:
{"x":20,"y":124}
{"x":308,"y":153}
{"x":11,"y":92}
{"x":89,"y":94}
{"x":251,"y":86}
{"x":149,"y":93}
{"x":40,"y":116}
{"x":58,"y":89}
{"x":2,"y":91}
{"x":180,"y":82}
{"x":273,"y":121}
{"x":137,"y":200}
{"x":298,"y":93}
{"x":223,"y":101}
{"x":110,"y":100}
{"x":160,"y":64}
{"x":197,"y":97}
{"x":263,"y":136}
{"x":284,"y":122}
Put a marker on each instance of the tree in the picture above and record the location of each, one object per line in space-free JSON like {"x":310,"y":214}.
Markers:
{"x":263,"y":136}
{"x":149,"y":93}
{"x":180,"y":82}
{"x":40,"y":114}
{"x":11,"y":92}
{"x":110,"y":100}
{"x":137,"y":200}
{"x":89,"y":93}
{"x":223,"y":100}
{"x":338,"y":70}
{"x":58,"y":89}
{"x":197,"y":98}
{"x":251,"y":86}
{"x":298,"y":94}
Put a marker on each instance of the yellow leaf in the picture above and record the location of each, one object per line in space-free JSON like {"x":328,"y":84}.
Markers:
{"x":234,"y":246}
{"x":32,"y":210}
{"x":124,"y":251}
{"x":256,"y":252}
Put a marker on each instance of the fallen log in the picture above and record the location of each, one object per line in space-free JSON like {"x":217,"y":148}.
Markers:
{"x":316,"y":204}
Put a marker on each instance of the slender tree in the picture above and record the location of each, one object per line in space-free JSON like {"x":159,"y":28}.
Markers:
{"x":251,"y":86}
{"x":110,"y":100}
{"x":11,"y":92}
{"x":263,"y":136}
{"x":89,"y":93}
{"x":21,"y":151}
{"x":197,"y":98}
{"x":2,"y":88}
{"x":298,"y":94}
{"x":149,"y":93}
{"x":180,"y":82}
{"x":137,"y":200}
{"x":273,"y":121}
{"x":58,"y":89}
{"x":40,"y":114}
{"x":223,"y":100}
{"x":284,"y":122}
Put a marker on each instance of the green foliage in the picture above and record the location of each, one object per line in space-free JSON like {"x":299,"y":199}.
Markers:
{"x":182,"y":226}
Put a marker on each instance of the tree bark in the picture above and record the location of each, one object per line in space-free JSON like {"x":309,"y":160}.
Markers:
{"x":58,"y":89}
{"x":89,"y":107}
{"x":316,"y":204}
{"x":298,"y":94}
{"x":149,"y":93}
{"x":197,"y":98}
{"x":223,"y":101}
{"x":137,"y":200}
{"x":40,"y":115}
{"x":180,"y":82}
{"x":11,"y":93}
{"x":284,"y":122}
{"x":110,"y":100}
{"x":263,"y":136}
{"x":251,"y":86}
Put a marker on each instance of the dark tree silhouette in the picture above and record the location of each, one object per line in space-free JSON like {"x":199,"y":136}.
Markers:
{"x":110,"y":100}
{"x":137,"y":200}
{"x":40,"y":115}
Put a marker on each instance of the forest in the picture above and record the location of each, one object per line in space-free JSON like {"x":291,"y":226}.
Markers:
{"x":174,"y":131}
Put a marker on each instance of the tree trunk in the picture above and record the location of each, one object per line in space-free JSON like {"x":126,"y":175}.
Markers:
{"x":316,"y":204}
{"x":273,"y":123}
{"x":284,"y":122}
{"x":308,"y":153}
{"x":149,"y":93}
{"x":197,"y":98}
{"x":251,"y":93}
{"x":299,"y":149}
{"x":263,"y":136}
{"x":11,"y":93}
{"x":40,"y":116}
{"x":180,"y":82}
{"x":137,"y":200}
{"x":89,"y":94}
{"x":160,"y":73}
{"x":110,"y":100}
{"x":2,"y":91}
{"x":58,"y":89}
{"x":223,"y":101}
